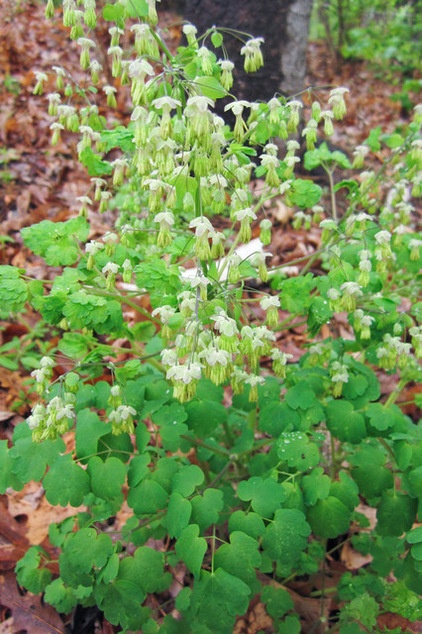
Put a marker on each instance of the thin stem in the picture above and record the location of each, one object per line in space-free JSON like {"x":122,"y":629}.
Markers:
{"x":123,"y":299}
{"x":212,"y":549}
{"x":332,"y":193}
{"x":201,"y":443}
{"x":396,"y":392}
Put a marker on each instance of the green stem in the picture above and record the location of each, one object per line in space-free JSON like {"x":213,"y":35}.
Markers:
{"x":396,"y":392}
{"x":200,"y":443}
{"x":228,"y":433}
{"x":220,"y":475}
{"x":388,"y":449}
{"x":123,"y":299}
{"x":212,"y":549}
{"x":309,"y":263}
{"x":332,"y":193}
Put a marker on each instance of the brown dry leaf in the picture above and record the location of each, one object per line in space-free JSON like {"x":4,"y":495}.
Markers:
{"x":309,"y":610}
{"x":352,"y":559}
{"x":7,"y":627}
{"x":257,"y":620}
{"x":35,"y":513}
{"x":11,"y":383}
{"x":13,"y":543}
{"x":391,"y":621}
{"x":29,"y":613}
{"x":370,"y":514}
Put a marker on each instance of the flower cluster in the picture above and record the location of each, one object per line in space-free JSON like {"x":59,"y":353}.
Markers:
{"x":393,"y":352}
{"x":43,"y":374}
{"x":218,"y":350}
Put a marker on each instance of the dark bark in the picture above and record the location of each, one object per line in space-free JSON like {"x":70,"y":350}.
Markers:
{"x":284,"y":26}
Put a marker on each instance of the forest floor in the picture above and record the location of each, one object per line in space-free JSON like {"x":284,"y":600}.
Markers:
{"x":40,"y":182}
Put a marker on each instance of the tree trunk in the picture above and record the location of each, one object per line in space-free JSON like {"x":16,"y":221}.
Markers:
{"x":284,"y":26}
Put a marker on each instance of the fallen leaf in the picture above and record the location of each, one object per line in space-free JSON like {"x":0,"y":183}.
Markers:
{"x":29,"y":613}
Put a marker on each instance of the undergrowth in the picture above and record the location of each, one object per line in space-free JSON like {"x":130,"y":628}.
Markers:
{"x":245,"y":469}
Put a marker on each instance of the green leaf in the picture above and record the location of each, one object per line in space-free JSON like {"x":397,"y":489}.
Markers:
{"x":249,"y":523}
{"x":209,"y":87}
{"x":205,"y":416}
{"x":107,"y":477}
{"x":171,"y":420}
{"x":121,"y":603}
{"x":395,"y":514}
{"x":146,"y":568}
{"x":13,"y":292}
{"x":300,"y":396}
{"x":240,"y":557}
{"x":393,"y":141}
{"x":381,"y":418}
{"x":187,"y":479}
{"x":84,"y":310}
{"x":290,"y":625}
{"x":165,"y":472}
{"x":363,"y":609}
{"x":369,"y":472}
{"x":74,"y":344}
{"x":344,"y":422}
{"x":319,"y":314}
{"x":142,"y":437}
{"x":28,"y":572}
{"x":329,"y":517}
{"x":373,"y":139}
{"x":346,"y":490}
{"x":322,"y":155}
{"x":110,"y":570}
{"x":94,"y":163}
{"x":83,"y":551}
{"x":216,"y":600}
{"x":51,"y":307}
{"x":118,"y":137}
{"x":113,"y":12}
{"x":278,"y":417}
{"x":171,"y":436}
{"x":9,"y":364}
{"x":208,"y":391}
{"x":361,"y":391}
{"x":191,"y":548}
{"x":138,"y":8}
{"x":266,"y":495}
{"x":304,"y":193}
{"x":316,"y":486}
{"x":174,"y":413}
{"x":277,"y":601}
{"x":295,"y":450}
{"x":30,"y":459}
{"x":286,"y":538}
{"x":401,"y":600}
{"x":415,"y":535}
{"x":178,"y":515}
{"x":89,"y":429}
{"x":159,"y":278}
{"x":57,"y":242}
{"x":147,"y":497}
{"x":138,"y":469}
{"x":216,"y":39}
{"x":412,"y":574}
{"x":66,"y":482}
{"x":120,"y":447}
{"x":7,"y":478}
{"x":296,"y":293}
{"x":60,"y":596}
{"x":206,"y":508}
